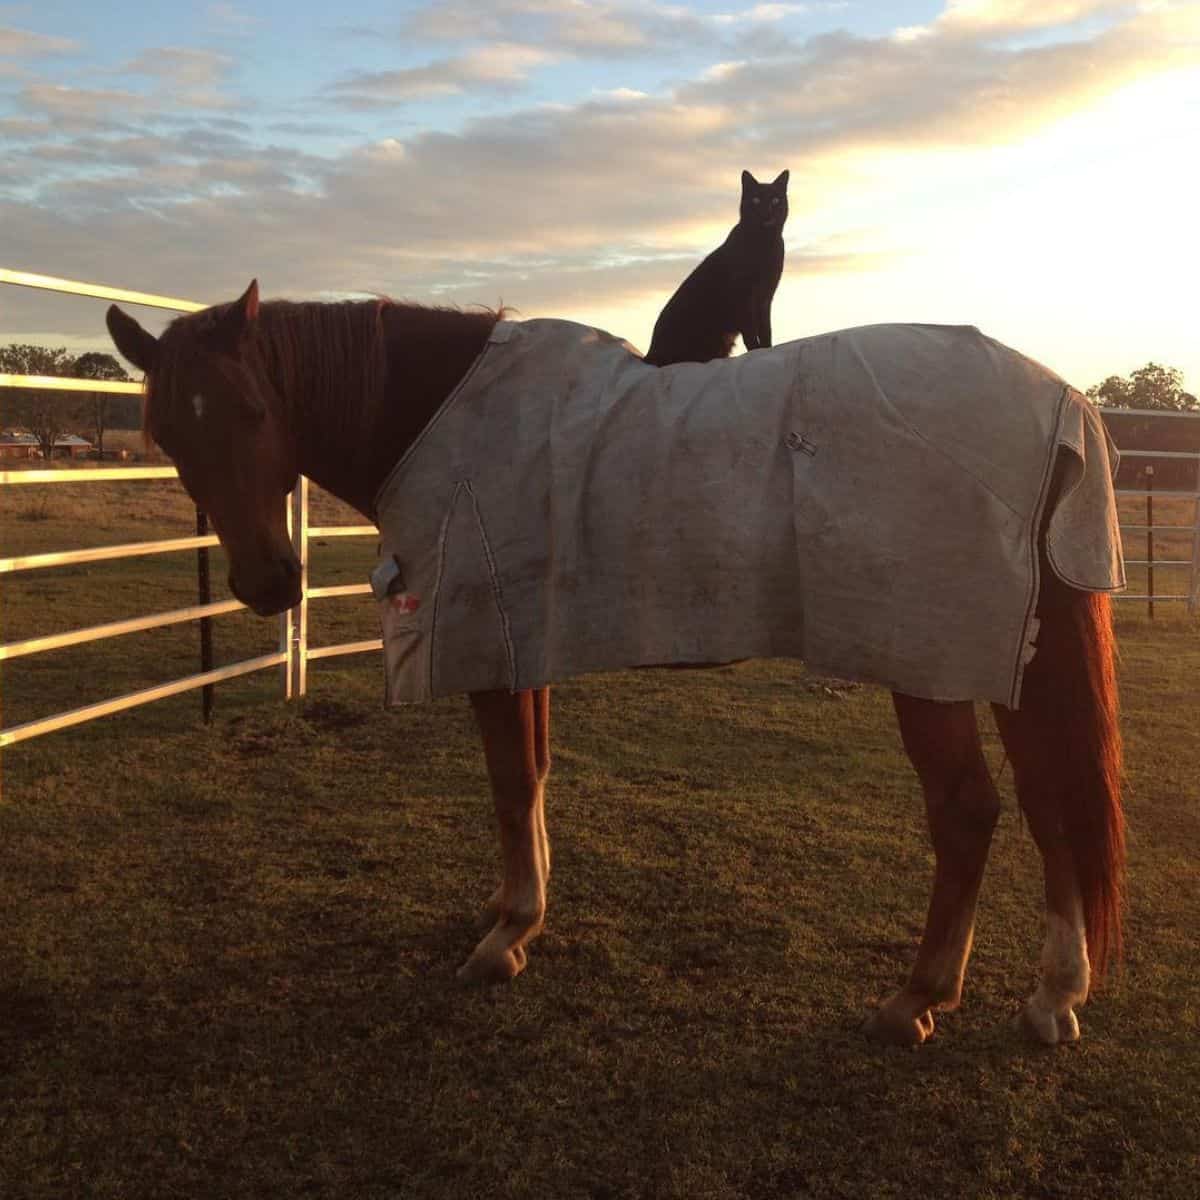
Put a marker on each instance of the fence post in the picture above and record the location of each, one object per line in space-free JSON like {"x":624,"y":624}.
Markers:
{"x":1193,"y":604}
{"x":204,"y":596}
{"x":1150,"y":541}
{"x":294,"y":624}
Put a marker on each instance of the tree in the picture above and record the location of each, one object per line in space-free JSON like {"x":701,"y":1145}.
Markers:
{"x":46,"y":414}
{"x":94,"y":365}
{"x":1152,"y":386}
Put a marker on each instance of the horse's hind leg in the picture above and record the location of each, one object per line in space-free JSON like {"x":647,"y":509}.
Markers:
{"x":1050,"y":1012}
{"x":515,"y":728}
{"x":962,"y":805}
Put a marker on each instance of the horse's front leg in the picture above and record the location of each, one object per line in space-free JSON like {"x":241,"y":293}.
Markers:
{"x":962,"y":805}
{"x":516,"y":744}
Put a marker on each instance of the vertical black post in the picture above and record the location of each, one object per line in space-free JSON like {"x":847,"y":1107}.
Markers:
{"x":1150,"y":541}
{"x":204,"y":592}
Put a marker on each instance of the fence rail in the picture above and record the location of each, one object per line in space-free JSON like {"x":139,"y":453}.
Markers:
{"x":76,"y":637}
{"x":77,"y":716}
{"x":293,"y":654}
{"x":85,"y":474}
{"x":70,"y":558}
{"x":74,"y":287}
{"x":1149,"y":493}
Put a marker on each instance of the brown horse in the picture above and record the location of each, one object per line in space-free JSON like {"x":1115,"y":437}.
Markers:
{"x":245,"y":398}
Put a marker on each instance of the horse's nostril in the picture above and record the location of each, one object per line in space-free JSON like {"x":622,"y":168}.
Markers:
{"x":291,"y":569}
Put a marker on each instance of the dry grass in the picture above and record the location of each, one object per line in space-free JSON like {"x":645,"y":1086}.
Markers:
{"x":226,"y":953}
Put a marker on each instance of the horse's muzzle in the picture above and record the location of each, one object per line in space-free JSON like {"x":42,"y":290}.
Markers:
{"x":270,"y":592}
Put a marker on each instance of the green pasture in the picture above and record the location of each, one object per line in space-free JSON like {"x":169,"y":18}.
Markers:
{"x":227,"y":952}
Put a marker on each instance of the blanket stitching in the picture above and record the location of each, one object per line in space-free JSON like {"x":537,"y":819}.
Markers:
{"x":497,"y":589}
{"x":443,"y":538}
{"x":1030,"y":541}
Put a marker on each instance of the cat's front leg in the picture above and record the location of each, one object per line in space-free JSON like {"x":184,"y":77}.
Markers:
{"x":760,"y":317}
{"x":750,"y":329}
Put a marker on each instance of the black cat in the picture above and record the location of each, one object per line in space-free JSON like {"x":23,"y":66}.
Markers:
{"x":730,"y":292}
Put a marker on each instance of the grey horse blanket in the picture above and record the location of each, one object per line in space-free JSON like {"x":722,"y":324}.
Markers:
{"x":867,"y":501}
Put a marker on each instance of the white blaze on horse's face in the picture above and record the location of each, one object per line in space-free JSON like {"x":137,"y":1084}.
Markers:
{"x":198,"y":406}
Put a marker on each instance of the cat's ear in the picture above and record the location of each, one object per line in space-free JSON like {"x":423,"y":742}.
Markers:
{"x":747,"y":180}
{"x":781,"y":180}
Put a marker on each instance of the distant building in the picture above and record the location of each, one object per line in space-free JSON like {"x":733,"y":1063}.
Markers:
{"x":71,"y":445}
{"x":20,"y":443}
{"x":16,"y":443}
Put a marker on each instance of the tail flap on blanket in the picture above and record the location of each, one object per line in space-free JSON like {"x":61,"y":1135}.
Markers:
{"x":1083,"y":541}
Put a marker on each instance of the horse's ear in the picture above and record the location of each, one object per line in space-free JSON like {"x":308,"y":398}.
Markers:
{"x":249,"y":301}
{"x":140,"y":347}
{"x":781,"y":179}
{"x":234,"y":323}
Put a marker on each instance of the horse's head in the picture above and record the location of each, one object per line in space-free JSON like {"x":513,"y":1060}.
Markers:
{"x":211,"y":408}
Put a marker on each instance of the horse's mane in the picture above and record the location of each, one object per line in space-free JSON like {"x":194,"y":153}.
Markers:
{"x":304,"y":347}
{"x":311,"y":350}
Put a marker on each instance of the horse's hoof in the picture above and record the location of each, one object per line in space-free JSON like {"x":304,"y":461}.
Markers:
{"x":492,"y":968}
{"x":1049,"y":1028}
{"x":888,"y":1027}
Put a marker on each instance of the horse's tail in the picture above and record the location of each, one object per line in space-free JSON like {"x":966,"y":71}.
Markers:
{"x":1070,"y":695}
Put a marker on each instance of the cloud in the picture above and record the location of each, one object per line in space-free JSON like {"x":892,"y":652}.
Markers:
{"x":581,"y":29}
{"x":971,"y":18}
{"x":22,"y":129}
{"x":187,"y":81}
{"x":20,"y":43}
{"x":556,"y":22}
{"x":228,"y":18}
{"x":187,"y":78}
{"x":73,"y":108}
{"x":599,"y":201}
{"x":502,"y":66}
{"x":311,"y":129}
{"x":183,"y":67}
{"x":841,"y":91}
{"x":584,"y":28}
{"x":621,"y":93}
{"x":762,"y":13}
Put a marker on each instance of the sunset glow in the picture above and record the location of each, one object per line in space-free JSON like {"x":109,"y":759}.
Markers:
{"x":1027,"y":168}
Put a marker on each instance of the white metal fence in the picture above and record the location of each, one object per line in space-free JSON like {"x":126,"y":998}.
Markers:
{"x":294,"y":652}
{"x":1187,"y":568}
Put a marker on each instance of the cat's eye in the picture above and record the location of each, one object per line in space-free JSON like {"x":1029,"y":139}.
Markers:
{"x":755,"y":200}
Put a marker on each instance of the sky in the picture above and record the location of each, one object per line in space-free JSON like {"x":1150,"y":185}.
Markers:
{"x":1026,"y":166}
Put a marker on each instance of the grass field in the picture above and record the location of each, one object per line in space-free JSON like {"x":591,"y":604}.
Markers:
{"x":227,"y":952}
